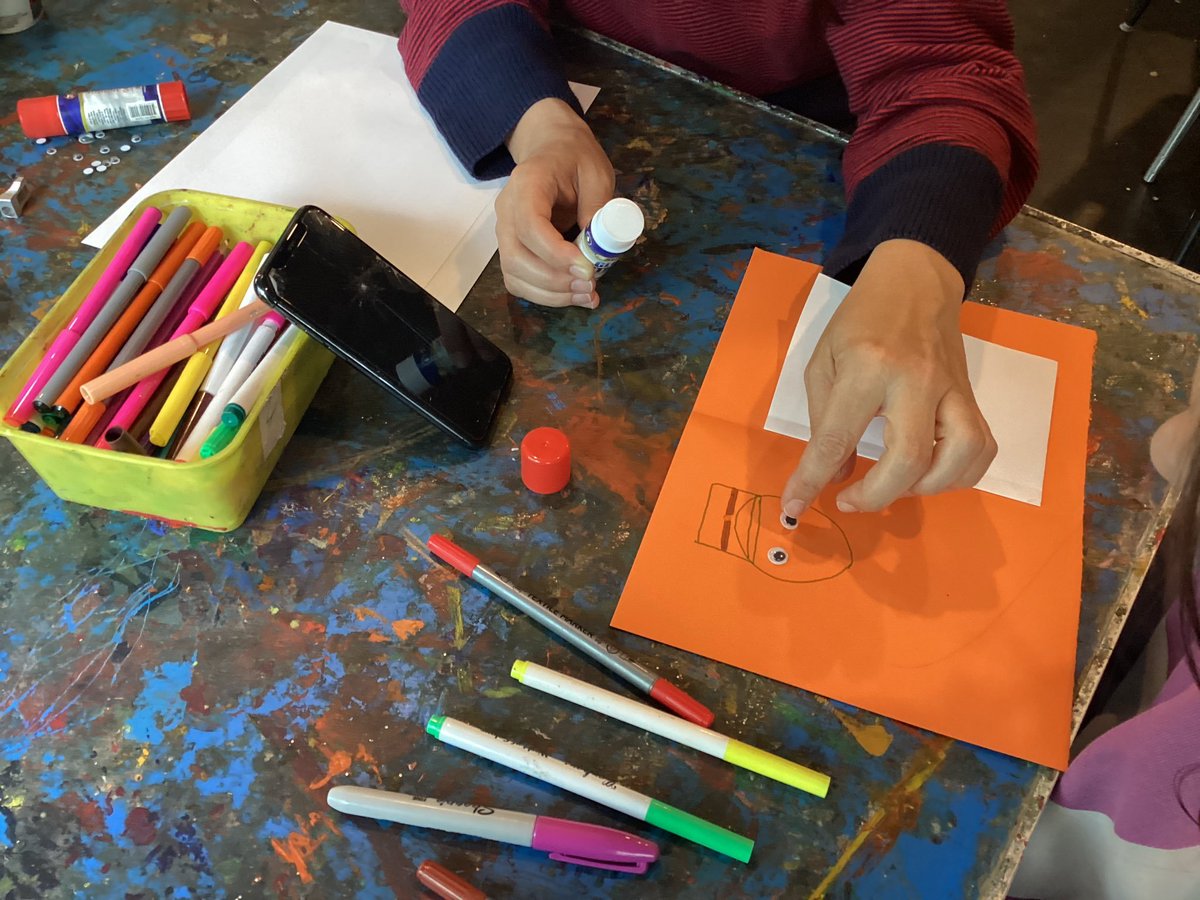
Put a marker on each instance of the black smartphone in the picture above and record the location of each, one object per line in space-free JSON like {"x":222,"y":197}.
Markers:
{"x":329,"y":282}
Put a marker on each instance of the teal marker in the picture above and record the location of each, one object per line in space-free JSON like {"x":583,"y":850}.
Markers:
{"x":585,"y":784}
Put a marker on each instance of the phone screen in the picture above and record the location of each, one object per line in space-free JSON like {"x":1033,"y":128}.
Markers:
{"x":340,"y":290}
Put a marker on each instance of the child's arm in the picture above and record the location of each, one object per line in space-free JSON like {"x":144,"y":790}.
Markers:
{"x":477,"y":66}
{"x":944,"y":151}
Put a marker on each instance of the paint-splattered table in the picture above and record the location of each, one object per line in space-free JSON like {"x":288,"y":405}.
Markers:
{"x":175,"y":704}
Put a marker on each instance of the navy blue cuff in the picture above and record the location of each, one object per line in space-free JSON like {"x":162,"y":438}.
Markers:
{"x":944,"y":196}
{"x":493,"y":67}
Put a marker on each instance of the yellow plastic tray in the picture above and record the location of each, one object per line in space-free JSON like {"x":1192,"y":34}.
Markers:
{"x":214,"y":493}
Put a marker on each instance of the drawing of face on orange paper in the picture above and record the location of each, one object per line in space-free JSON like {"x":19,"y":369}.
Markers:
{"x":748,"y":525}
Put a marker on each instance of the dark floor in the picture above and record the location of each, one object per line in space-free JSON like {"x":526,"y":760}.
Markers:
{"x":1105,"y":103}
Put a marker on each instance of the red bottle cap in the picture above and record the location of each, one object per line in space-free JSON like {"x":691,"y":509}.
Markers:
{"x":39,"y":117}
{"x":174,"y":101}
{"x":545,"y":461}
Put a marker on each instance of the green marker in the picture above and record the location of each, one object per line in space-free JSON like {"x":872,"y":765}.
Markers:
{"x":577,"y":781}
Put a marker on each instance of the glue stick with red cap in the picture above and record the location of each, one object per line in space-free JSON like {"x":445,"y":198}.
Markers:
{"x":149,"y":104}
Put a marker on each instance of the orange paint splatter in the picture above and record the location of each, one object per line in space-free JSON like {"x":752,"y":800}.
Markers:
{"x":267,"y":584}
{"x":361,"y":613}
{"x":339,"y":762}
{"x":406,"y":628}
{"x":298,"y":850}
{"x":376,"y":638}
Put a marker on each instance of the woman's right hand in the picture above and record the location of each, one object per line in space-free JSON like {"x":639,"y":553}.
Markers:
{"x":562,"y":177}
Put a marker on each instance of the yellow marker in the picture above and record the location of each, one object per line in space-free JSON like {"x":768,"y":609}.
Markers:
{"x":196,"y":368}
{"x":672,"y":727}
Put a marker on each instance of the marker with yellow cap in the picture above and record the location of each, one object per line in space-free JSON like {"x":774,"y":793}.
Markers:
{"x":671,"y":727}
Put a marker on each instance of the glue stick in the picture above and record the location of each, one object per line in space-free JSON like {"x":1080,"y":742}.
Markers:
{"x":148,"y":104}
{"x":613,"y":230}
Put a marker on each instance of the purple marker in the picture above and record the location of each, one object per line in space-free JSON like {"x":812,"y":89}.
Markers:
{"x":564,"y":840}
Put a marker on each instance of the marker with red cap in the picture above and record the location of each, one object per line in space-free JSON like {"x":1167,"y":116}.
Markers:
{"x":607,"y":655}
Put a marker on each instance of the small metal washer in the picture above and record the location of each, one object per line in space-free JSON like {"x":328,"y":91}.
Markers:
{"x":102,"y":167}
{"x":88,"y":171}
{"x":50,"y":151}
{"x":104,"y":150}
{"x":114,"y":160}
{"x":137,"y":139}
{"x":100,"y":134}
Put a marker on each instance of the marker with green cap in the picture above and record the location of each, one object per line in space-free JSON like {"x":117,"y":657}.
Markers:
{"x":577,"y":781}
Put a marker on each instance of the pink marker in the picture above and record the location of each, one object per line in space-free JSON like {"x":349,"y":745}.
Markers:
{"x":198,"y":313}
{"x":22,"y":407}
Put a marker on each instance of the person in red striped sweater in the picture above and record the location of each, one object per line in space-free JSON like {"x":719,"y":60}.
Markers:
{"x":941,"y":157}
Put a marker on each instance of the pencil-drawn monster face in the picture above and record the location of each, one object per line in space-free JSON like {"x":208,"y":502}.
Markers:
{"x":749,"y":526}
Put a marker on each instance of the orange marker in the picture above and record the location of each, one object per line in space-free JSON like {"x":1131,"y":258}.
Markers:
{"x":86,"y":419}
{"x":68,"y":401}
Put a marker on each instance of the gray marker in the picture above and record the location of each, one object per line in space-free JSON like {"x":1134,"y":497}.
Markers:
{"x":154,"y":316}
{"x":139,"y":270}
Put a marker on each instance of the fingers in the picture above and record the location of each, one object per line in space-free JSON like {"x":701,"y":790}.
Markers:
{"x":538,"y":264}
{"x":964,"y":450}
{"x":595,"y":186}
{"x":908,"y":441}
{"x":847,"y":409}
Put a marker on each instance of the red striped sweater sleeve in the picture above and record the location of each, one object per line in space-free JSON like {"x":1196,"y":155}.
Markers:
{"x":476,"y":66}
{"x":944,"y":150}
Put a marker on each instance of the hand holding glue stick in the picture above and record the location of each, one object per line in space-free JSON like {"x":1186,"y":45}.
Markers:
{"x":260,"y":339}
{"x":251,"y":391}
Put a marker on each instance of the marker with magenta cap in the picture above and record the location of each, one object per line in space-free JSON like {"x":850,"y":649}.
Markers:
{"x":139,"y":271}
{"x":671,"y":727}
{"x":22,"y":407}
{"x":563,"y":839}
{"x":585,"y":784}
{"x":68,"y":401}
{"x":608,"y":656}
{"x":197,"y":366}
{"x":199,"y":311}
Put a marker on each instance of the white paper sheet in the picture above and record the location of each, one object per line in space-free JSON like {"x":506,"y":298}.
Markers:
{"x":337,"y":124}
{"x":1014,"y":390}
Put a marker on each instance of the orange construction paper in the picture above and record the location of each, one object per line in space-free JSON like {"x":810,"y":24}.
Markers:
{"x":956,"y":613}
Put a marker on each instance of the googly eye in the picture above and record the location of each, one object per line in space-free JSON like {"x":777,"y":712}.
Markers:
{"x":40,"y":141}
{"x":101,"y":134}
{"x":114,"y":160}
{"x":51,"y":151}
{"x":102,"y":168}
{"x":788,"y":522}
{"x":88,"y":170}
{"x":85,"y":139}
{"x":137,"y":139}
{"x":777,"y":555}
{"x":125,"y":148}
{"x":104,"y":150}
{"x":78,"y":157}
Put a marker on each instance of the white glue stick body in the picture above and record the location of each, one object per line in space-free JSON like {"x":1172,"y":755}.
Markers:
{"x":614,"y":228}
